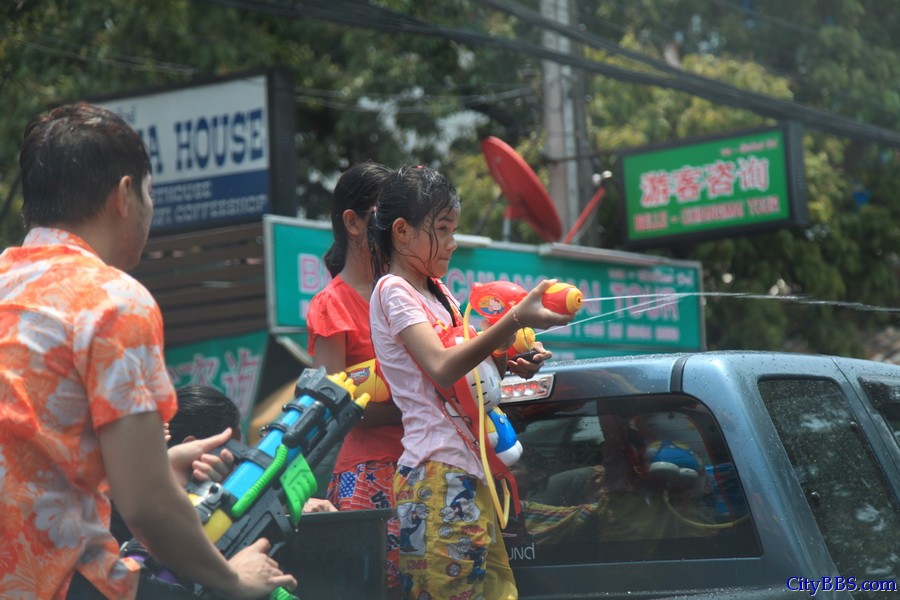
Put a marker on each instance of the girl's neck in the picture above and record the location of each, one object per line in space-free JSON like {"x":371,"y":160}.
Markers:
{"x":415,"y":278}
{"x":357,"y":273}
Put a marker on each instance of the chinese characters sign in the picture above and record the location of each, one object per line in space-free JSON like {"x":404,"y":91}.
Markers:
{"x":232,"y":365}
{"x":743,"y":183}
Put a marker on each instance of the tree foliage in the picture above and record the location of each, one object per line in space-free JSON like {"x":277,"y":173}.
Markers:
{"x":841,"y":56}
{"x":378,"y":92}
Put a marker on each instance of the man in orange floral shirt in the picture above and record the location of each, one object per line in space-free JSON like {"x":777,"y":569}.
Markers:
{"x":83,"y":387}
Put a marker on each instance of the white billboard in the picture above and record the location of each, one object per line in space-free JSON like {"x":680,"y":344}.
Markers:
{"x":210,"y":151}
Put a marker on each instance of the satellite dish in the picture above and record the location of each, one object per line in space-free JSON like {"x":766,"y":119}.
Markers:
{"x":526,"y":196}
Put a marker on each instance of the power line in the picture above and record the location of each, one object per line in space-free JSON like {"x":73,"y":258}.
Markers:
{"x":366,"y":16}
{"x":505,"y":94}
{"x":360,"y":14}
{"x":711,"y":89}
{"x":334,"y":99}
{"x":792,"y":28}
{"x":776,"y":21}
{"x":52,"y":45}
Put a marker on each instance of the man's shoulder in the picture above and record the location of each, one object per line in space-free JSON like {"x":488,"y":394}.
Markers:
{"x":103,"y":281}
{"x":108,"y":276}
{"x":45,"y":269}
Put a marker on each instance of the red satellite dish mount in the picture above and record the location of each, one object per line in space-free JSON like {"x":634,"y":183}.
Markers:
{"x":526,"y":196}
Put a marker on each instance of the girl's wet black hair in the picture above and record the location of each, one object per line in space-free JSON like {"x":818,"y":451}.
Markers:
{"x":438,"y":293}
{"x":417,"y":194}
{"x":356,"y":190}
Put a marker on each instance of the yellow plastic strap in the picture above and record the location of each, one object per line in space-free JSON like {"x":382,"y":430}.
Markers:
{"x":502,"y":511}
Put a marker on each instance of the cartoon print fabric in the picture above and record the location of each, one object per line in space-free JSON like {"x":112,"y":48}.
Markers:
{"x":465,"y":557}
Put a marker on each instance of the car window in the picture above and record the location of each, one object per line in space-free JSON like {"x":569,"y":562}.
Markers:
{"x":884,"y":394}
{"x":841,"y":479}
{"x":626,"y":479}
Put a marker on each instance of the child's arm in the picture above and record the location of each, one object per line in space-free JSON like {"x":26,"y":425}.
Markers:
{"x":331,"y":353}
{"x":445,"y":366}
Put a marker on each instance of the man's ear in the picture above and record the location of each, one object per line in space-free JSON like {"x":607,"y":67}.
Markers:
{"x":118,"y":196}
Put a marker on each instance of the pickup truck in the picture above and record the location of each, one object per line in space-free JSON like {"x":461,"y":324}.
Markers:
{"x":707,"y":475}
{"x":699,"y":475}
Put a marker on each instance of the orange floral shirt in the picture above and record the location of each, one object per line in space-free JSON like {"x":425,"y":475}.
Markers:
{"x":80,"y":346}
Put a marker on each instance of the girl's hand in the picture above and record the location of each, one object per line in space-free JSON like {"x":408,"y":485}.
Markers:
{"x":526,"y":368}
{"x":532,"y":313}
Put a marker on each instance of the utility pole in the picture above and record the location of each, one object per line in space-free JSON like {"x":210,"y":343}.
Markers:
{"x":584,"y":186}
{"x":564,"y":123}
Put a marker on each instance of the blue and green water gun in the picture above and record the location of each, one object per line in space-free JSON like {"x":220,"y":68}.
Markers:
{"x":265,"y":493}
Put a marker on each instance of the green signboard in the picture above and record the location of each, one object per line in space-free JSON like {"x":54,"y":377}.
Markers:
{"x":632,"y":302}
{"x":729,"y":185}
{"x":648,"y":305}
{"x":232,"y":365}
{"x":294,"y":269}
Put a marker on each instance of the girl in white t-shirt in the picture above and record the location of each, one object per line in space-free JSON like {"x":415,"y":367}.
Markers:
{"x":449,"y":537}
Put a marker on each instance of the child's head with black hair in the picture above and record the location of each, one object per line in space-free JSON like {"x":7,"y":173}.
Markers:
{"x":420,"y":197}
{"x":356,"y":191}
{"x":203,"y":411}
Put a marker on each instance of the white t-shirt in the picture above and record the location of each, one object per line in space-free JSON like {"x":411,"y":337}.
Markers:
{"x":428,"y":434}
